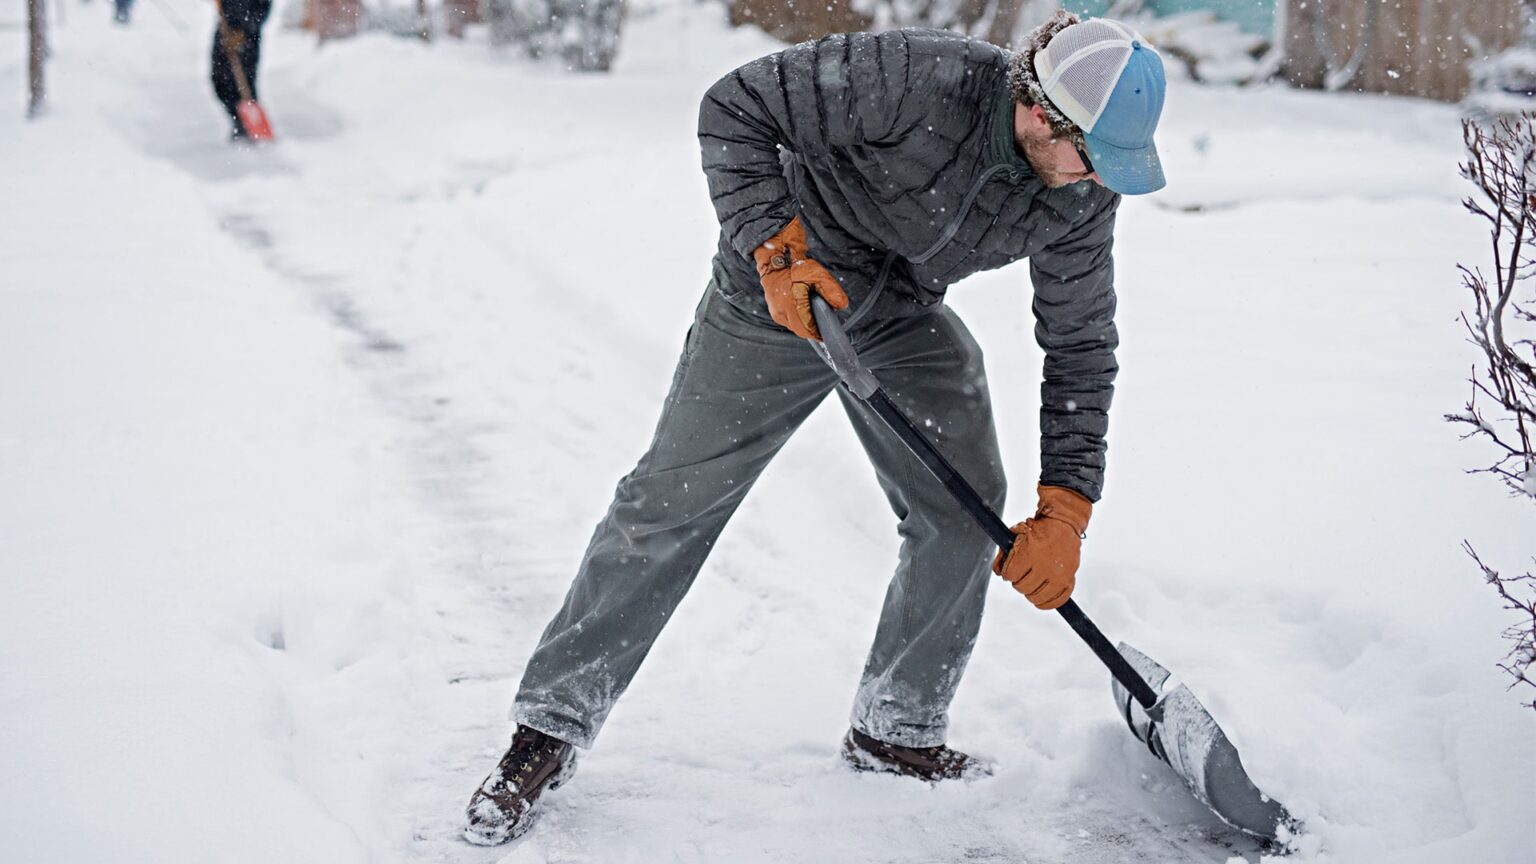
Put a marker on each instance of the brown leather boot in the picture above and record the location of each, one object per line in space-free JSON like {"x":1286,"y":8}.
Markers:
{"x":864,"y":753}
{"x":506,"y":804}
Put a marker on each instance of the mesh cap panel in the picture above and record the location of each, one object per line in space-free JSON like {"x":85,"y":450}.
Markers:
{"x":1079,"y":68}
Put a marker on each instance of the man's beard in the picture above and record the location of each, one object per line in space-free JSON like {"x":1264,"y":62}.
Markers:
{"x":1038,"y":154}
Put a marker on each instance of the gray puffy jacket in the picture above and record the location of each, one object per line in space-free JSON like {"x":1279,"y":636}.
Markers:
{"x":897,"y":152}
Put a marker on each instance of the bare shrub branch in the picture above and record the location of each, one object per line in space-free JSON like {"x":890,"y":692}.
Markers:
{"x":1518,"y":662}
{"x":1501,"y":163}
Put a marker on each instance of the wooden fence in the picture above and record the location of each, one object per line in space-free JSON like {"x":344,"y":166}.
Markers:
{"x":1412,"y":47}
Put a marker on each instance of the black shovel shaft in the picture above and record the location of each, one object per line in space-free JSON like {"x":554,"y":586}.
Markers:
{"x":940,"y":468}
{"x":838,"y":352}
{"x":1078,"y":620}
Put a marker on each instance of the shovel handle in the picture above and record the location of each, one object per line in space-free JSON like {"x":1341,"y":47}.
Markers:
{"x":837,"y":350}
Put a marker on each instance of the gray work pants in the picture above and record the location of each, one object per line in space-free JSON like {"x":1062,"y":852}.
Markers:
{"x":742,"y":387}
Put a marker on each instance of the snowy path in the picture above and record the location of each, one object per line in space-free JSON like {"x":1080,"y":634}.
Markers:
{"x":425,"y":335}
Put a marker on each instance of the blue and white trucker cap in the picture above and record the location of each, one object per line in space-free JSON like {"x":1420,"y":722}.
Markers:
{"x":1110,"y":83}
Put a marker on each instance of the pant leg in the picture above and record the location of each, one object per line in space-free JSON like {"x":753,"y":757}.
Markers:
{"x":250,"y":57}
{"x":742,"y":387}
{"x":247,"y":17}
{"x":223,"y":78}
{"x":932,"y":369}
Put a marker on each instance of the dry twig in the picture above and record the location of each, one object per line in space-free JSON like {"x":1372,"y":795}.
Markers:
{"x":1501,"y":163}
{"x":1520,"y":658}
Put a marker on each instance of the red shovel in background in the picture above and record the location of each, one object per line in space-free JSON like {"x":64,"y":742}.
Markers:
{"x":249,"y":111}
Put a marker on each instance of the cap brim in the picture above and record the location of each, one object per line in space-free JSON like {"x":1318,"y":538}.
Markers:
{"x":1128,"y":171}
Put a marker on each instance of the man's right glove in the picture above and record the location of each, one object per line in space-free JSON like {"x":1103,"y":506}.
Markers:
{"x":1042,"y":563}
{"x":789,"y":277}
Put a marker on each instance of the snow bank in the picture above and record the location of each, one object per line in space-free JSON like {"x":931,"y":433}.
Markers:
{"x":199,"y":528}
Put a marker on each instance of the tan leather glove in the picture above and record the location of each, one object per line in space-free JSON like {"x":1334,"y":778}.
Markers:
{"x":1042,"y":564}
{"x":789,"y":277}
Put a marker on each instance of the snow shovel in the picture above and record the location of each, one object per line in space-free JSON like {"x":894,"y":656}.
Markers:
{"x":248,"y":111}
{"x":1172,"y":723}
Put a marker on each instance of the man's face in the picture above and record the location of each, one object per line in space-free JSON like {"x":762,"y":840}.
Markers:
{"x":1054,"y":157}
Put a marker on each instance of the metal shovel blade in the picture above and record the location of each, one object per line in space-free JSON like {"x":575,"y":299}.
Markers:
{"x":1179,"y":731}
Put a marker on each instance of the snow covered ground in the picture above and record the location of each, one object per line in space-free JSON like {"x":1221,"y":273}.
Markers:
{"x":299,"y":448}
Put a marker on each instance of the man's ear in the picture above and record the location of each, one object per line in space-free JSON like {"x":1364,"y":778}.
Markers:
{"x":1033,"y":122}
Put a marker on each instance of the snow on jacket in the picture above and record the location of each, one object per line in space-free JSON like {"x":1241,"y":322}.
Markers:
{"x":897,"y":152}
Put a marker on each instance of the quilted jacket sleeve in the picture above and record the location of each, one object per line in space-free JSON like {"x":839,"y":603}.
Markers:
{"x":839,"y":91}
{"x":1074,"y":310}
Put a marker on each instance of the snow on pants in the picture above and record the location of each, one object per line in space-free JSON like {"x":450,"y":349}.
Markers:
{"x":741,"y":388}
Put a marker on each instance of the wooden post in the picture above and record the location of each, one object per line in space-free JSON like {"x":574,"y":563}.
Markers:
{"x":37,"y":50}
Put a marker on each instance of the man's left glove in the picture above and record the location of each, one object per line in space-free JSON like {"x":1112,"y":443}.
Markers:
{"x":1042,"y":563}
{"x":789,"y":277}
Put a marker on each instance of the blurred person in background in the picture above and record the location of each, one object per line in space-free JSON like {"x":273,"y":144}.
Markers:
{"x":237,"y":40}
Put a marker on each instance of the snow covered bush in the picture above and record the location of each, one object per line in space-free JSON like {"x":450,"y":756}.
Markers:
{"x":1519,"y":595}
{"x":998,"y":21}
{"x":1505,"y":84}
{"x":584,"y":33}
{"x":1210,"y":49}
{"x":1501,"y":162}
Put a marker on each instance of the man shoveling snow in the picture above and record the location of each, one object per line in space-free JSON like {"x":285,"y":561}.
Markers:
{"x":873,"y":171}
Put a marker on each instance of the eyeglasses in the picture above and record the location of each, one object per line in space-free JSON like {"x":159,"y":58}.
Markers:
{"x":1082,"y":153}
{"x":1070,"y":132}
